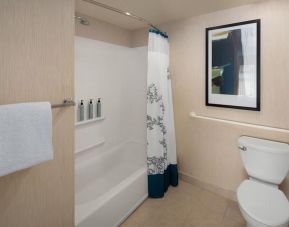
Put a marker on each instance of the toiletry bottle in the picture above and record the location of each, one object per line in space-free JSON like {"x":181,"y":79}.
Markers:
{"x":90,"y":109}
{"x":81,"y":111}
{"x":98,"y":108}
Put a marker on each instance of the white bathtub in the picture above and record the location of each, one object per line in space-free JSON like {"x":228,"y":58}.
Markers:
{"x":110,"y":185}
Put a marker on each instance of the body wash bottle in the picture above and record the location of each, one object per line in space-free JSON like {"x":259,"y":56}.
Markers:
{"x":98,"y":108}
{"x":81,"y":111}
{"x":90,"y":109}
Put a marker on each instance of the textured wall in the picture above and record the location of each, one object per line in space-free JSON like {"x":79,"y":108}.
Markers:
{"x":103,"y":31}
{"x":207,"y":150}
{"x":36,"y":64}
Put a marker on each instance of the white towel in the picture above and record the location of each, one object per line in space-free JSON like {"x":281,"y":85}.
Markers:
{"x":25,"y":136}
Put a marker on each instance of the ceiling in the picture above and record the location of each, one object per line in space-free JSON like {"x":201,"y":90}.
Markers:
{"x":156,"y":11}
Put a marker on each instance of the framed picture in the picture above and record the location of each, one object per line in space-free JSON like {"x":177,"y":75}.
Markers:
{"x":233,"y":65}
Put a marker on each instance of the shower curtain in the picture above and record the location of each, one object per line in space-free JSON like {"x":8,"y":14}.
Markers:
{"x":161,"y":144}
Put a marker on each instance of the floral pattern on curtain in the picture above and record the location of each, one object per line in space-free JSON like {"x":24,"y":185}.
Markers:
{"x":161,"y":145}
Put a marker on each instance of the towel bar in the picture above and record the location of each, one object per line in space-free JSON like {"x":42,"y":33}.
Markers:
{"x":66,"y":103}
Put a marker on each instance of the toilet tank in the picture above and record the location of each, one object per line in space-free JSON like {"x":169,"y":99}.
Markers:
{"x":264,"y":160}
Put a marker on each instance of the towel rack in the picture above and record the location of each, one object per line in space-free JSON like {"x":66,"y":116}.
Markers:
{"x":66,"y":103}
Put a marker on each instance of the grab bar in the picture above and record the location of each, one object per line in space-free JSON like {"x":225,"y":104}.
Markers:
{"x":264,"y":127}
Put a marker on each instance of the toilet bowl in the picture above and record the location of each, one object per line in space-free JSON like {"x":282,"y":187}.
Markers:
{"x":261,"y":202}
{"x":262,"y":205}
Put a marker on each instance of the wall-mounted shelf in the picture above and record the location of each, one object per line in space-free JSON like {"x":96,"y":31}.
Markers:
{"x":89,"y":121}
{"x":100,"y":142}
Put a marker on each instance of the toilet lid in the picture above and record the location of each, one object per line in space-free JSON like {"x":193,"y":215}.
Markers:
{"x":263,"y":203}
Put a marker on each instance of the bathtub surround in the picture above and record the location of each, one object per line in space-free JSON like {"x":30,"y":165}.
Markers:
{"x":36,"y":64}
{"x":110,"y":166}
{"x":25,"y":136}
{"x":110,"y":185}
{"x":161,"y":146}
{"x":126,"y":81}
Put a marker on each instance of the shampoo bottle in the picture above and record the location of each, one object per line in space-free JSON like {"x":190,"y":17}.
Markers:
{"x":90,"y":109}
{"x":98,"y":108}
{"x":81,"y":111}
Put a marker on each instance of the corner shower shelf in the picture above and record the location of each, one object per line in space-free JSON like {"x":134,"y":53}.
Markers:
{"x":100,"y":142}
{"x":89,"y":121}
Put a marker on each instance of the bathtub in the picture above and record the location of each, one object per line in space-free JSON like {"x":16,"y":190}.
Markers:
{"x":110,"y":185}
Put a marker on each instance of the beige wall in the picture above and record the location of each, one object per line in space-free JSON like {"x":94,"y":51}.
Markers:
{"x":103,"y":31}
{"x":36,"y":64}
{"x":139,"y":37}
{"x":207,"y":150}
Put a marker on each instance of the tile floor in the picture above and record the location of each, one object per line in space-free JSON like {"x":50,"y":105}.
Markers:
{"x":188,"y":206}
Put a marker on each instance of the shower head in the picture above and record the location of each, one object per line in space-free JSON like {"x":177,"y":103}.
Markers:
{"x":82,"y":20}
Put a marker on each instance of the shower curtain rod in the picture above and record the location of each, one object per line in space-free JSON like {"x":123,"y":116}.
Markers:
{"x":122,"y":12}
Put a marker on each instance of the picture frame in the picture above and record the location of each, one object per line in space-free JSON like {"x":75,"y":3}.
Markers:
{"x":233,"y":65}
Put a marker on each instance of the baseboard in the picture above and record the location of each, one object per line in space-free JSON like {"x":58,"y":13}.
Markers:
{"x":207,"y":186}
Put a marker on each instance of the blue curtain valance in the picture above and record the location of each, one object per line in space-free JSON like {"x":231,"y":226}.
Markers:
{"x":163,"y":34}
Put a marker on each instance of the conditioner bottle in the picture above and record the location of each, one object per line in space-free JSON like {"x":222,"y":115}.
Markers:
{"x":90,"y":109}
{"x":81,"y":111}
{"x":98,"y":108}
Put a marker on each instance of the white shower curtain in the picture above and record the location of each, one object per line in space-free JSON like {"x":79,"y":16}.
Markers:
{"x":161,"y":147}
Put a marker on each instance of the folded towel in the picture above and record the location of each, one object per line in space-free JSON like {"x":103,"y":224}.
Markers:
{"x":25,"y":136}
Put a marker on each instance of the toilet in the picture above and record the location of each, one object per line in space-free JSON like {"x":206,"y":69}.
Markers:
{"x":261,"y":202}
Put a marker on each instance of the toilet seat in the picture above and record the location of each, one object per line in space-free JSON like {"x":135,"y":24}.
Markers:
{"x":263,"y":203}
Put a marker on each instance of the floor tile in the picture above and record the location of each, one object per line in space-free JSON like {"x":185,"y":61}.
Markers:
{"x":201,"y":216}
{"x":130,"y":223}
{"x":213,"y":202}
{"x":186,"y":206}
{"x":233,"y":216}
{"x":231,"y":223}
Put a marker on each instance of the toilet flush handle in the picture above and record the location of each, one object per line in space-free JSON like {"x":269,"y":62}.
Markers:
{"x":243,"y":148}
